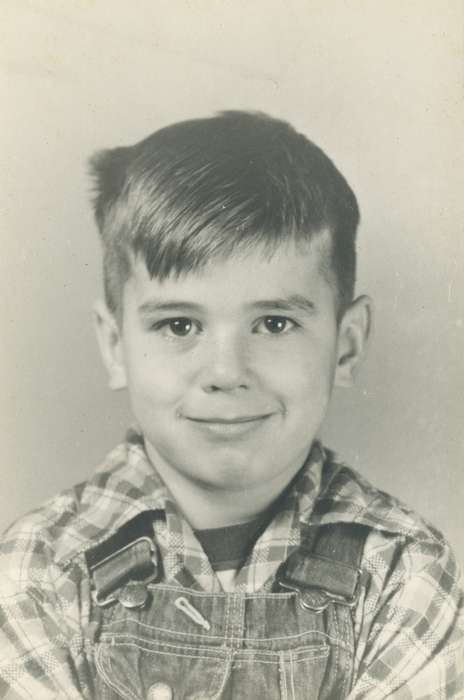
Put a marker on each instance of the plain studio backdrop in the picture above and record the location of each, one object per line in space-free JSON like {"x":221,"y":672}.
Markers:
{"x":379,"y":85}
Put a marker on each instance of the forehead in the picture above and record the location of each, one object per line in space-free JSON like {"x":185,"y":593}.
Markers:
{"x":242,"y":278}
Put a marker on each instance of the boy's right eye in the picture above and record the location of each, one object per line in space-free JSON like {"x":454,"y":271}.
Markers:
{"x":180,"y":327}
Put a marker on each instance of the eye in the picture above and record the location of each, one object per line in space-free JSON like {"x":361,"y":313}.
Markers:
{"x":180,"y":327}
{"x":276,"y":325}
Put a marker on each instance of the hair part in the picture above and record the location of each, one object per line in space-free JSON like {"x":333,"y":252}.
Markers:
{"x":210,"y":188}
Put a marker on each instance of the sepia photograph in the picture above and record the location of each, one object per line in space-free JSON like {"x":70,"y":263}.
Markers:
{"x":232,"y":312}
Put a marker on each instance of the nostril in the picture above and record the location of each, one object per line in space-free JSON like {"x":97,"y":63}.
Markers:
{"x":212,"y":388}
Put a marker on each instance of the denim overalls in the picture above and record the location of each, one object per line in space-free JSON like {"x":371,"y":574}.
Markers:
{"x":160,"y":641}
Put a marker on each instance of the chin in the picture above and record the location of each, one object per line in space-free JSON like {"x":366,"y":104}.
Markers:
{"x":230,"y":477}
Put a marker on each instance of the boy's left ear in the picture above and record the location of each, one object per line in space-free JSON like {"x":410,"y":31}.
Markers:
{"x":353,"y":334}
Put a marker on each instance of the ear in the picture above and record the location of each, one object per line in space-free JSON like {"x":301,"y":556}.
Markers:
{"x":353,"y":334}
{"x":110,"y":343}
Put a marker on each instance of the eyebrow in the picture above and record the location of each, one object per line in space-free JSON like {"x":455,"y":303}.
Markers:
{"x":288,"y":303}
{"x":291,"y":303}
{"x":151,"y":306}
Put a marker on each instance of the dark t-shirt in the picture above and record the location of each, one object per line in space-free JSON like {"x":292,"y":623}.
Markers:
{"x":228,"y":547}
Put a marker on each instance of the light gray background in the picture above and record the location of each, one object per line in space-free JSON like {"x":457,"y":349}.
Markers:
{"x":379,"y":85}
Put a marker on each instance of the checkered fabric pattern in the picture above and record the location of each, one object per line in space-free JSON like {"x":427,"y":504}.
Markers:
{"x":408,"y":621}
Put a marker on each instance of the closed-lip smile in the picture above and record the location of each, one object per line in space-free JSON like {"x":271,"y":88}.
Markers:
{"x":230,"y":421}
{"x":230,"y":428}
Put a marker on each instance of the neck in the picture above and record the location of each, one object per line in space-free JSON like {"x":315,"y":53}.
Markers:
{"x":205,"y":510}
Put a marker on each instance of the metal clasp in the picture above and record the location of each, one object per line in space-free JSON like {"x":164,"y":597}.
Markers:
{"x":326,"y":597}
{"x":104,"y":600}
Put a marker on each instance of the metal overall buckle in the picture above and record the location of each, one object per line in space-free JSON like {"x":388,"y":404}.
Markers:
{"x":318,"y":599}
{"x":133,"y":591}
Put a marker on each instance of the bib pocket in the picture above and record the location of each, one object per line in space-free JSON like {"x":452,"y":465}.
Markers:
{"x":133,"y":669}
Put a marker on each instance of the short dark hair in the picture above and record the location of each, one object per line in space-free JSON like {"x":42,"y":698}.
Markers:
{"x":210,"y":187}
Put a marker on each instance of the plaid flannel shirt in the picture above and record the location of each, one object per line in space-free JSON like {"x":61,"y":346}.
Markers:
{"x":408,"y":621}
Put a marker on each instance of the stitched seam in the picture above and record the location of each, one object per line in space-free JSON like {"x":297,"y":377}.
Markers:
{"x":227,"y":635}
{"x":205,"y":594}
{"x":292,"y":677}
{"x":336,"y":661}
{"x":241,"y":622}
{"x":322,"y":651}
{"x":346,"y":655}
{"x":218,"y":652}
{"x":206,"y":635}
{"x":238,"y":631}
{"x":221,"y":652}
{"x":283,"y":677}
{"x":273,"y":663}
{"x":225,"y":675}
{"x":181,"y":654}
{"x":110,"y":683}
{"x":231,"y":632}
{"x":349,"y":623}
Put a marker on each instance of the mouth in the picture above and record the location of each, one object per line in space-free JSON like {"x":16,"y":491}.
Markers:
{"x":230,"y":421}
{"x":233,"y":426}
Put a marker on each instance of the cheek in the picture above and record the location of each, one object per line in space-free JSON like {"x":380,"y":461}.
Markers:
{"x":153,"y":382}
{"x":301,"y":371}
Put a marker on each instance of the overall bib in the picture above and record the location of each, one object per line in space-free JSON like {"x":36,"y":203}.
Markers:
{"x":292,"y":640}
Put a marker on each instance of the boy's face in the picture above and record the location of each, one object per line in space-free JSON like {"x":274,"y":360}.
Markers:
{"x":230,"y":369}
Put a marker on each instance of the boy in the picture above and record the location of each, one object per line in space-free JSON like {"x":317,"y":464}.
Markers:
{"x":221,"y":551}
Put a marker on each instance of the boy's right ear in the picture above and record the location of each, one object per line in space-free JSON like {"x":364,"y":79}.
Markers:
{"x":110,"y":343}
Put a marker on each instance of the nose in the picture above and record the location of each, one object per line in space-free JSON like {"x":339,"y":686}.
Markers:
{"x":225,"y":366}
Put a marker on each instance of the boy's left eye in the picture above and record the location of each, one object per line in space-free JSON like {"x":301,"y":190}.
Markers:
{"x":276,"y":325}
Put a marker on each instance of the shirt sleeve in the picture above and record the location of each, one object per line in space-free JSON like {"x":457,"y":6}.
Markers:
{"x":41,"y":644}
{"x":410,"y":627}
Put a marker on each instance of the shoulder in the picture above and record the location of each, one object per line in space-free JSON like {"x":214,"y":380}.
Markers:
{"x":400,"y":543}
{"x":409,"y":618}
{"x":49,"y":538}
{"x":347,"y":495}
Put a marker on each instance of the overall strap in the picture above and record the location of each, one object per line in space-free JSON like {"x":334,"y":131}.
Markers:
{"x":326,"y":567}
{"x":121,"y":566}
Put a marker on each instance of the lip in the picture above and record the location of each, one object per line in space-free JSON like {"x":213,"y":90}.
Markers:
{"x":230,"y":421}
{"x":230,"y":427}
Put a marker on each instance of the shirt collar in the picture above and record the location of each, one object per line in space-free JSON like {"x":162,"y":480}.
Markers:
{"x":127,"y":484}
